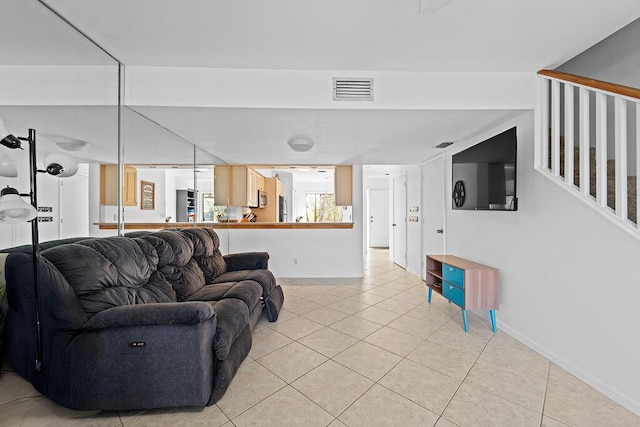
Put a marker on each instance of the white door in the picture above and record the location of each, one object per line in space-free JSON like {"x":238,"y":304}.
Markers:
{"x":378,"y":218}
{"x":399,"y":225}
{"x":74,"y":206}
{"x":433,"y":196}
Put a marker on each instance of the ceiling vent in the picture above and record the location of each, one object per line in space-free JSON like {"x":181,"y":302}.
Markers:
{"x":444,"y":144}
{"x":352,"y":89}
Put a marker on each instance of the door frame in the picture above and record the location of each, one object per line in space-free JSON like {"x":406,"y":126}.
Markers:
{"x":392,"y":206}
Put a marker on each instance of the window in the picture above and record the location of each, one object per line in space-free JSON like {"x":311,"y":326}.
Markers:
{"x":321,"y":207}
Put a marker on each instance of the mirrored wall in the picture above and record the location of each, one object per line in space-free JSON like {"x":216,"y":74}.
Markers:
{"x":55,"y":81}
{"x":133,"y":173}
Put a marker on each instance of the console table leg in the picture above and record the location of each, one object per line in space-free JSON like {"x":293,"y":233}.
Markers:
{"x":493,"y":320}
{"x":466,"y":322}
{"x":429,"y":298}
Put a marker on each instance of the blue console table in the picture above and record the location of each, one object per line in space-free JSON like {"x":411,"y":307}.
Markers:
{"x":469,"y":285}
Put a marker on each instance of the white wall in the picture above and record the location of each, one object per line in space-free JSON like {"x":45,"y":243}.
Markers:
{"x":568,"y":276}
{"x":615,"y":59}
{"x":309,"y":253}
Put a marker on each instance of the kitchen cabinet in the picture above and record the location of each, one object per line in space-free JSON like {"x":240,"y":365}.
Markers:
{"x":237,"y":185}
{"x":109,"y":185}
{"x":343,"y":185}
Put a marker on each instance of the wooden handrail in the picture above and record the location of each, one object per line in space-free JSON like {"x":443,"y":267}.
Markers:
{"x":628,"y":91}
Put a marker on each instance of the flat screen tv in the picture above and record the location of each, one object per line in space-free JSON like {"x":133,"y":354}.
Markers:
{"x":484,"y":176}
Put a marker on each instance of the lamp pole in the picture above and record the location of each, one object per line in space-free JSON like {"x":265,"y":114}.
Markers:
{"x":35,"y":244}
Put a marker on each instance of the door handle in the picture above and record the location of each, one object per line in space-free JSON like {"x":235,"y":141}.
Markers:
{"x":393,"y":225}
{"x":440,"y":231}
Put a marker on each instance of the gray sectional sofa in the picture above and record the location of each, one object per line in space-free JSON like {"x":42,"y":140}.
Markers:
{"x":161,"y":319}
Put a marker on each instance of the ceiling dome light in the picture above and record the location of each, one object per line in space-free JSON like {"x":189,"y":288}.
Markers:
{"x":301,"y":144}
{"x":66,"y":143}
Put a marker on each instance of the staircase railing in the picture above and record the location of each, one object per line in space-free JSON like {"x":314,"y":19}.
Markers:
{"x":590,"y":142}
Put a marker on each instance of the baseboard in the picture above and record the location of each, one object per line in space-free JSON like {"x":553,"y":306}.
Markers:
{"x":597,"y":384}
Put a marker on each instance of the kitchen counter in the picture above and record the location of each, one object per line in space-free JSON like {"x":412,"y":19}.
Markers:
{"x":226,"y":225}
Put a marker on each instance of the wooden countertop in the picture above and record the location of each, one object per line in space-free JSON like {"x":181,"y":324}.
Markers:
{"x":227,"y":225}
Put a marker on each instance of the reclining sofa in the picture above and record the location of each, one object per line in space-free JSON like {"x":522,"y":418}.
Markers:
{"x":157,"y":320}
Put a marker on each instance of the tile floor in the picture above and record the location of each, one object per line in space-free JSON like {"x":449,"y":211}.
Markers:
{"x":365,"y":352}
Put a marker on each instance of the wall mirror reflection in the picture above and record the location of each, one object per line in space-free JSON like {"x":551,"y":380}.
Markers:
{"x":67,"y":93}
{"x":284,"y":193}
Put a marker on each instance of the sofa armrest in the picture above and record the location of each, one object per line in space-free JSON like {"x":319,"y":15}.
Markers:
{"x":247,"y":261}
{"x":181,"y":313}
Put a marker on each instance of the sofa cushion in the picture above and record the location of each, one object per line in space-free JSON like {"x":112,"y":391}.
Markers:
{"x":109,"y":272}
{"x":264,"y":277}
{"x":175,"y":261}
{"x":232,"y":317}
{"x":206,"y":252}
{"x":247,"y":291}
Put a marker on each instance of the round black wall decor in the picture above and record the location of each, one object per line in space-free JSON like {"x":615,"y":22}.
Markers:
{"x":458,"y":194}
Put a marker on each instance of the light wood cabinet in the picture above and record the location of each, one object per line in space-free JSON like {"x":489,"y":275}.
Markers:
{"x":237,"y":185}
{"x":109,"y":185}
{"x":343,"y":185}
{"x":271,"y":213}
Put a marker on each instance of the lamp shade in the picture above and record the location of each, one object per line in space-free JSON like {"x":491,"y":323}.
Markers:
{"x":7,"y":139}
{"x":61,"y":165}
{"x":13,"y":209}
{"x":7,"y":166}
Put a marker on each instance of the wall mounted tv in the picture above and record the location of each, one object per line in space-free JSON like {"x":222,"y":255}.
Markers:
{"x":484,"y":176}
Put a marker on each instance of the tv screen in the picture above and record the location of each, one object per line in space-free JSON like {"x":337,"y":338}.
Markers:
{"x":484,"y":176}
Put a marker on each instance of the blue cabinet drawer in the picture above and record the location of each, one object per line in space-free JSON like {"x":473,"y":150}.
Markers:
{"x":453,"y":275}
{"x":453,"y":293}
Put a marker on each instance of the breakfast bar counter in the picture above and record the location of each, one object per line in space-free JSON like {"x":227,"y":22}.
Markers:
{"x":227,"y":225}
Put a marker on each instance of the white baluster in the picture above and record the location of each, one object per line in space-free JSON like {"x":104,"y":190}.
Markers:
{"x":637,"y":164}
{"x":601,"y":149}
{"x":621,"y":157}
{"x":542,"y":153}
{"x":555,"y":128}
{"x":585,"y":163}
{"x":569,"y":133}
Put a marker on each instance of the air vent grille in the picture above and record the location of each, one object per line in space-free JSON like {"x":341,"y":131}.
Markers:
{"x":444,"y":144}
{"x":352,"y":89}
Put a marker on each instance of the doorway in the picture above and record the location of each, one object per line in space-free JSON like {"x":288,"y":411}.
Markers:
{"x":399,"y":225}
{"x":433,"y":205}
{"x":378,"y":218}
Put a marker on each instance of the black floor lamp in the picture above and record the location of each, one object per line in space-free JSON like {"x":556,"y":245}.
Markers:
{"x":15,"y":210}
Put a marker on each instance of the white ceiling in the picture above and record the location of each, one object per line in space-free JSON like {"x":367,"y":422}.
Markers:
{"x":259,"y":136}
{"x":364,"y":35}
{"x":466,"y":35}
